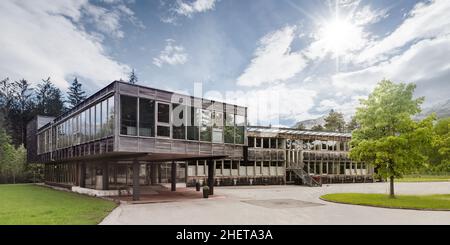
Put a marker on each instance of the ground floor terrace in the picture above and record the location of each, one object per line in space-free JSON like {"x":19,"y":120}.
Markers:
{"x":124,"y":176}
{"x":291,"y":204}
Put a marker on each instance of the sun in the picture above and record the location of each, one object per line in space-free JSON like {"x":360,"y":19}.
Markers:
{"x":339,"y":36}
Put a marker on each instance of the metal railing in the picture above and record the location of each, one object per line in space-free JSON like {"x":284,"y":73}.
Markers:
{"x":305,"y":177}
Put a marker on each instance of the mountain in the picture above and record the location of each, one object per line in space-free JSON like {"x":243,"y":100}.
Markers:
{"x":312,"y":122}
{"x":441,"y":109}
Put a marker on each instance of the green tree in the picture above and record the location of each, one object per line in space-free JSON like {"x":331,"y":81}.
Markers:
{"x":133,"y":79}
{"x":76,"y":93}
{"x":49,"y":99}
{"x":334,"y":122}
{"x":317,"y":127}
{"x":351,"y":125}
{"x":388,"y":138}
{"x":440,"y":152}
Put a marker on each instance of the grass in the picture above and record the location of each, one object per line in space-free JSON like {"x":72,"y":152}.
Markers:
{"x":424,"y":178}
{"x":426,"y":202}
{"x":35,"y":205}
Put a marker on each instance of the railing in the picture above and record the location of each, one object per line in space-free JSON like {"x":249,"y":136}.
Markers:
{"x":305,"y":177}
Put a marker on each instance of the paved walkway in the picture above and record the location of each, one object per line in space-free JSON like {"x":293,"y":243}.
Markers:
{"x":283,"y":205}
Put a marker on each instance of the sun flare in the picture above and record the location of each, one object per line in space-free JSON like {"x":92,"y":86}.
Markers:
{"x":339,"y":36}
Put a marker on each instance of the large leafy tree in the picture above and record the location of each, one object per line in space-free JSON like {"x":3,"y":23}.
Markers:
{"x":351,"y":125}
{"x":335,"y":122}
{"x":76,"y":93}
{"x":387,"y":137}
{"x":440,"y":152}
{"x":49,"y":99}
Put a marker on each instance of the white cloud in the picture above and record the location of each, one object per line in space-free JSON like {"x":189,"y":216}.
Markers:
{"x":186,"y":9}
{"x":426,"y":20}
{"x":425,"y":60}
{"x":42,"y":38}
{"x":172,"y":55}
{"x":273,"y":60}
{"x":189,"y":8}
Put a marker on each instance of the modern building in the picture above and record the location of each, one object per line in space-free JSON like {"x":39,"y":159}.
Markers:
{"x":126,"y":135}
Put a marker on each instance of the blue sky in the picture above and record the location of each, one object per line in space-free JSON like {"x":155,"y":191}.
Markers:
{"x":286,"y":60}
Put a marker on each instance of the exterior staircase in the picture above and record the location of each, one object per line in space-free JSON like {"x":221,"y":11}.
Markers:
{"x":305,"y":177}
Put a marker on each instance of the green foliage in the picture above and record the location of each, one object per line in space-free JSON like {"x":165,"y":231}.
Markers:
{"x":133,"y":79}
{"x":76,"y":94}
{"x":440,"y":152}
{"x":49,"y":99}
{"x":318,"y":128}
{"x":387,"y":137}
{"x":426,"y":202}
{"x":28,"y":204}
{"x":351,"y":125}
{"x":335,"y":122}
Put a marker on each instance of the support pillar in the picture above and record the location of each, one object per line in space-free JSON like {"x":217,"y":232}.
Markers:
{"x":153,"y":173}
{"x":136,"y":187}
{"x":174,"y":176}
{"x":82,"y":175}
{"x":105,"y":176}
{"x":159,"y":173}
{"x":211,"y":170}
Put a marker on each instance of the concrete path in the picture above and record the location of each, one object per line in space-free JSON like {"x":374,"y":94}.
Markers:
{"x":283,"y":205}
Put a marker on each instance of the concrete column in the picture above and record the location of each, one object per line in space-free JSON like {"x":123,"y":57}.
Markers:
{"x":159,"y":173}
{"x":153,"y":173}
{"x":105,"y":175}
{"x":136,"y":187}
{"x":174,"y":176}
{"x":211,"y":170}
{"x":82,"y":174}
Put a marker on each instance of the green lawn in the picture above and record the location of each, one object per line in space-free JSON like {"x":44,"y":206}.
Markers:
{"x":428,"y":202}
{"x":424,"y":178}
{"x":30,"y":204}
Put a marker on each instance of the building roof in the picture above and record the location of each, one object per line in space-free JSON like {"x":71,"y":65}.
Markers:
{"x":293,"y":131}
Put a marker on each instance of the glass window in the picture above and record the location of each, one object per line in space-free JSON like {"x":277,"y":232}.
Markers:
{"x":104,"y":118}
{"x":128,"y":115}
{"x":178,"y":121}
{"x":251,"y":142}
{"x":111,"y":116}
{"x":240,"y":129}
{"x":163,"y":113}
{"x":229,"y":128}
{"x":205,"y":130}
{"x":273,"y":143}
{"x":146,"y":117}
{"x":163,"y":131}
{"x":194,"y":122}
{"x":92,"y":123}
{"x":163,"y":126}
{"x":98,"y":120}
{"x":217,"y":133}
{"x":83,"y":126}
{"x":266,"y":142}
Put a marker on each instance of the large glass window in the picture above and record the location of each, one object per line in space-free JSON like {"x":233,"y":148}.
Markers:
{"x":104,"y":118}
{"x":205,"y":129}
{"x":240,"y":128}
{"x":111,"y":116}
{"x":217,"y":133}
{"x":163,"y":127}
{"x":178,"y":121}
{"x":83,"y":126}
{"x":92,"y":123}
{"x":98,"y":120}
{"x":128,"y":115}
{"x":193,"y":123}
{"x":146,"y":117}
{"x":229,"y":128}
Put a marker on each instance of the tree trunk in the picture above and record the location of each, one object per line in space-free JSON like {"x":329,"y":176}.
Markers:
{"x":391,"y":189}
